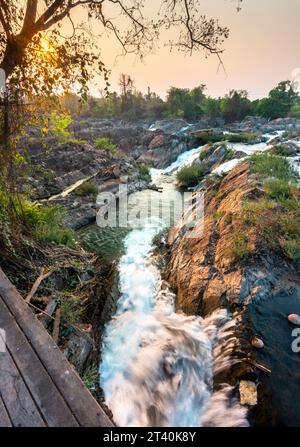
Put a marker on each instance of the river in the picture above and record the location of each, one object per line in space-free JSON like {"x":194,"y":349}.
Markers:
{"x":158,"y":366}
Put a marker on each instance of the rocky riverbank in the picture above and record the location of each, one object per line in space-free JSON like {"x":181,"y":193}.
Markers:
{"x":233,"y":265}
{"x":227,"y":266}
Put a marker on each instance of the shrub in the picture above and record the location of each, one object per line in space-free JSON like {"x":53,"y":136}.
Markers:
{"x":59,"y":124}
{"x":272,"y":166}
{"x":282,"y":150}
{"x":106,"y":144}
{"x":56,"y":234}
{"x":240,"y":248}
{"x":278,"y":189}
{"x":71,"y":309}
{"x":242,"y":137}
{"x":191,"y":175}
{"x":86,"y":189}
{"x":90,"y":377}
{"x":41,"y":222}
{"x":218,"y":215}
{"x":144,"y":173}
{"x":291,"y":248}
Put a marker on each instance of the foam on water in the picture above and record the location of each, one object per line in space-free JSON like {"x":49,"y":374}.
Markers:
{"x":157,"y":365}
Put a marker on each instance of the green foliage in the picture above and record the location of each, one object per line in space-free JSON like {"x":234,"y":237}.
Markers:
{"x":239,"y":247}
{"x":86,"y":189}
{"x":282,"y":150}
{"x":278,"y":189}
{"x":71,"y":309}
{"x":185,"y":103}
{"x":242,"y":137}
{"x":295,"y":110}
{"x":106,"y":144}
{"x":144,"y":173}
{"x":191,"y":175}
{"x":272,"y":166}
{"x":218,"y":215}
{"x":90,"y":377}
{"x":279,"y":102}
{"x":277,"y":218}
{"x":42,"y":223}
{"x":235,"y":106}
{"x":189,"y":104}
{"x":59,"y":124}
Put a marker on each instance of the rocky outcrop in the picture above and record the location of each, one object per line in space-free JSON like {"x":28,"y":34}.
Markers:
{"x":204,"y":270}
{"x":210,"y":271}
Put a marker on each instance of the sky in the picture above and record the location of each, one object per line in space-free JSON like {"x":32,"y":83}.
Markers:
{"x":262,"y":50}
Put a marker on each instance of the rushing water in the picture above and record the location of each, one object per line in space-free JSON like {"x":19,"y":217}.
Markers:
{"x":158,"y":366}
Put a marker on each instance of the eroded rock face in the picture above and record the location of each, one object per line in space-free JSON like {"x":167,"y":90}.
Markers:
{"x":205,"y":272}
{"x":261,"y":291}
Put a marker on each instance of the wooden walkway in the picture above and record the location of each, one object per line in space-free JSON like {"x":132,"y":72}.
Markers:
{"x":38,"y":387}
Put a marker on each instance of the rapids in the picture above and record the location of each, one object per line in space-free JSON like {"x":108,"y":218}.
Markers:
{"x":157,"y":366}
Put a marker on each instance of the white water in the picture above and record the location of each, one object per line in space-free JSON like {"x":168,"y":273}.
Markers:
{"x":185,"y":159}
{"x":158,"y":366}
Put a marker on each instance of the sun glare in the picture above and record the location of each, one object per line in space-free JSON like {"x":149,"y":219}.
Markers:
{"x":46,"y":46}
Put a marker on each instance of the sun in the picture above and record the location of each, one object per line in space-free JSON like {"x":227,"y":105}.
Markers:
{"x":46,"y":46}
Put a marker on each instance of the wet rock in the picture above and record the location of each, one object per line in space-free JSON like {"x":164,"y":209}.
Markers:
{"x":248,"y":393}
{"x":257,"y":343}
{"x":294,"y":319}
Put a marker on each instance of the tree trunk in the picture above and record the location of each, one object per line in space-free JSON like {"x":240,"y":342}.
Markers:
{"x":13,"y":56}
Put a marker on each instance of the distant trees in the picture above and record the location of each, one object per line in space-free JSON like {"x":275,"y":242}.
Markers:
{"x":235,"y":106}
{"x":189,"y":104}
{"x":280,"y":101}
{"x":185,"y":103}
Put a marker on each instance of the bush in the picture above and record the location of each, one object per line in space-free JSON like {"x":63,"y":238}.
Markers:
{"x":59,"y":124}
{"x":144,"y":173}
{"x":278,"y":189}
{"x":191,"y":175}
{"x":71,"y":309}
{"x":106,"y":144}
{"x":240,"y":248}
{"x":242,"y":137}
{"x":272,"y":166}
{"x":86,"y":189}
{"x":282,"y":150}
{"x":43,"y":223}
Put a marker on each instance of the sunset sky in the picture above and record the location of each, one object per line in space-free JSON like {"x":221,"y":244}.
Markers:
{"x":263,"y":49}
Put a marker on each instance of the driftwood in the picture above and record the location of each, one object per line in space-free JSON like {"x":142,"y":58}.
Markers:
{"x":37,"y":284}
{"x":49,"y":311}
{"x":56,"y":326}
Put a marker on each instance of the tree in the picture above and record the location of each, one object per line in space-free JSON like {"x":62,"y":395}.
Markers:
{"x":279,"y":102}
{"x":41,"y":63}
{"x":236,"y":105}
{"x":185,"y":103}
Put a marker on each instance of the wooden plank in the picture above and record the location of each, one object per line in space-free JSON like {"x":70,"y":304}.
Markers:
{"x":87,"y":411}
{"x":19,"y":404}
{"x":45,"y":394}
{"x":4,"y":417}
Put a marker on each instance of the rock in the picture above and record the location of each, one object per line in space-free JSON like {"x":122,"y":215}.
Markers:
{"x":157,"y":141}
{"x":248,"y":393}
{"x":294,"y":319}
{"x":116,"y":171}
{"x":78,"y":349}
{"x":257,"y":343}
